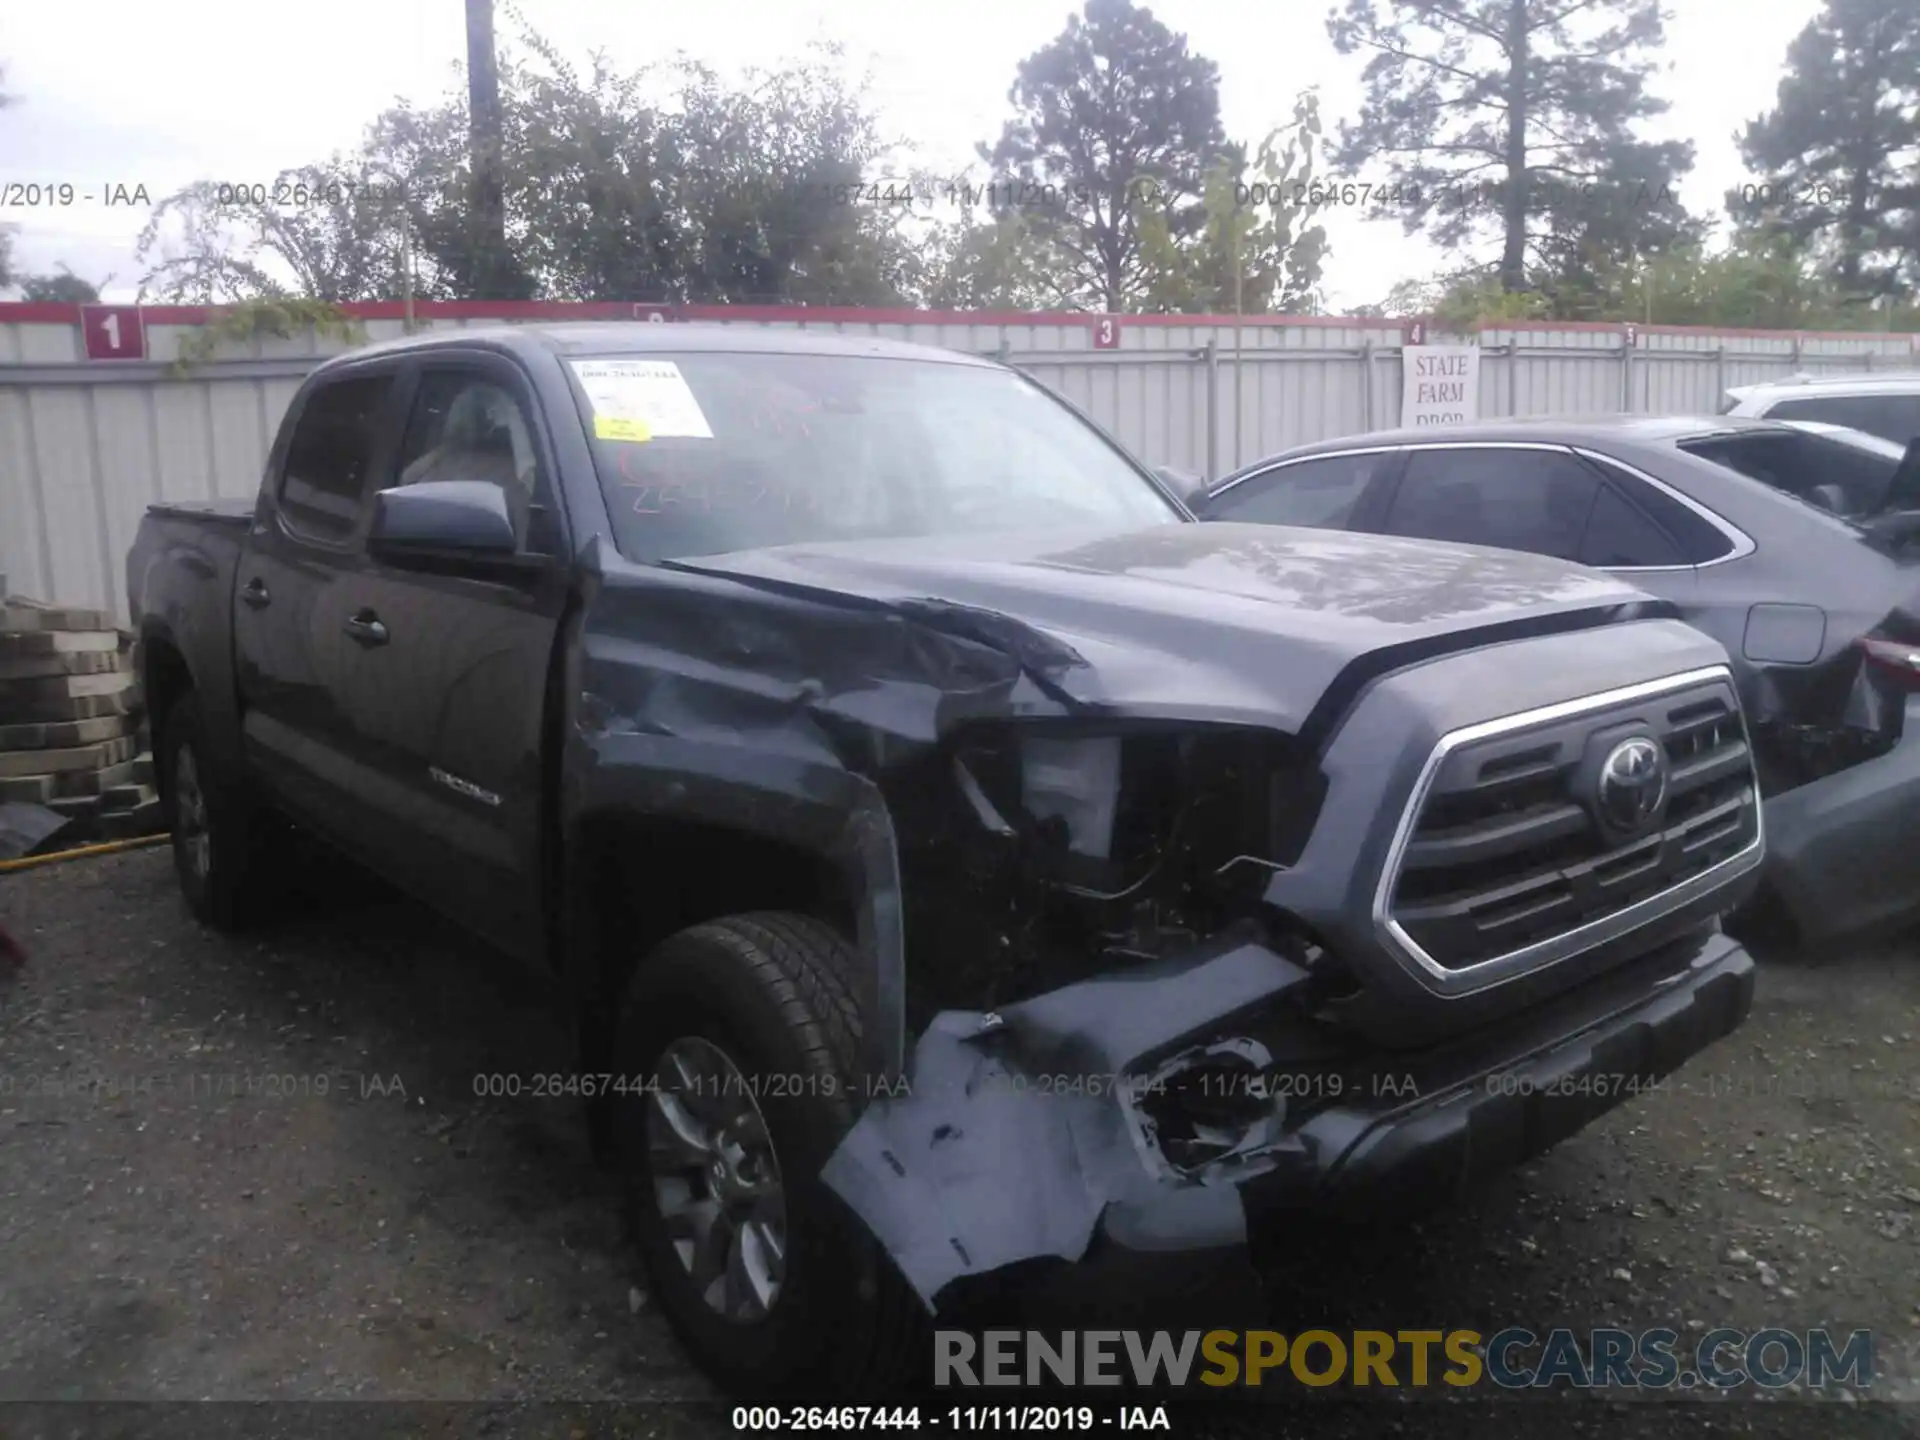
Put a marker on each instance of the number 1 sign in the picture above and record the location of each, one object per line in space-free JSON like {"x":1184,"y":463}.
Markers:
{"x":113,"y":332}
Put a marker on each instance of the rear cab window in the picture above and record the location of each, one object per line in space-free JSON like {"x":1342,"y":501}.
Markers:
{"x":330,"y":454}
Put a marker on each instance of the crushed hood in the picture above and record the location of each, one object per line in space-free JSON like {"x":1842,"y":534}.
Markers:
{"x":1211,"y":620}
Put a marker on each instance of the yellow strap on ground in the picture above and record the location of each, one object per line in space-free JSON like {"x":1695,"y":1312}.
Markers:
{"x":27,"y":862}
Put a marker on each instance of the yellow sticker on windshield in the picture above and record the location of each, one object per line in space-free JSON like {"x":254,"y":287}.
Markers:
{"x":614,"y":427}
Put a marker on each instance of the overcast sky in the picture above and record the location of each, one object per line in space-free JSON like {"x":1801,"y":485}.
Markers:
{"x":136,"y":92}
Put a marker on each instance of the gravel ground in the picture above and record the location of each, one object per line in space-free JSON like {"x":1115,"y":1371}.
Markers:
{"x":184,"y":1216}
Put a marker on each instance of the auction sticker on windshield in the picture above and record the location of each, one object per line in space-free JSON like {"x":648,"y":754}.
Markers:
{"x":641,"y":400}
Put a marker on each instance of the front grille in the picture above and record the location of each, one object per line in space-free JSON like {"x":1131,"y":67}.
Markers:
{"x":1509,"y":849}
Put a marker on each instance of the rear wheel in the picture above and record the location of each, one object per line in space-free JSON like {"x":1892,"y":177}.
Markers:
{"x":216,"y":836}
{"x":748,"y":1037}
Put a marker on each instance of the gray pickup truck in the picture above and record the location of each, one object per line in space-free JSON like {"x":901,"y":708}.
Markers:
{"x":954,"y":854}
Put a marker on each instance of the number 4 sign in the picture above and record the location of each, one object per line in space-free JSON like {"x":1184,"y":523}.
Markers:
{"x":113,"y":332}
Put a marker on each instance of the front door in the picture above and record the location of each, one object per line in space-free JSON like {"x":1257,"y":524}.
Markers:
{"x":450,"y":667}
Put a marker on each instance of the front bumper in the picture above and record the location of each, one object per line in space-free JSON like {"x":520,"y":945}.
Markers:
{"x":1476,"y":1116}
{"x":992,"y":1154}
{"x":1840,"y":849}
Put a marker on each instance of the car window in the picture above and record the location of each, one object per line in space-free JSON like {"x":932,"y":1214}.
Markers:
{"x":1891,"y":417}
{"x":1619,"y":534}
{"x":329,"y":453}
{"x":467,"y":427}
{"x":1840,"y":478}
{"x":1699,"y":539}
{"x":1535,"y":500}
{"x":1317,"y":493}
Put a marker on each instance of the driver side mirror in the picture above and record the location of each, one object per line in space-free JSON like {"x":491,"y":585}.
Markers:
{"x":1191,"y":489}
{"x":468,"y":516}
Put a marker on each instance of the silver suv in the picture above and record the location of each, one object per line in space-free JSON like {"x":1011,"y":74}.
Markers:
{"x":1887,"y":405}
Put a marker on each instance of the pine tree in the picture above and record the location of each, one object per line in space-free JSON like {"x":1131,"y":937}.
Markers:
{"x":1836,"y":162}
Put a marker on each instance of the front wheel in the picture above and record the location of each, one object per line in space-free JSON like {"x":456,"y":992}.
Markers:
{"x":747,"y":1038}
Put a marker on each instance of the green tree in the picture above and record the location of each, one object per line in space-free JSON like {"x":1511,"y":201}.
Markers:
{"x":1515,"y":120}
{"x":1836,"y":161}
{"x":656,"y":185}
{"x":63,"y":288}
{"x":1759,"y":281}
{"x":1257,"y":250}
{"x":1114,"y":111}
{"x":768,"y":200}
{"x":999,"y":262}
{"x":332,"y":232}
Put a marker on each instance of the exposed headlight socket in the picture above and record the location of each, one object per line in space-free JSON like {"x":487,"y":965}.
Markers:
{"x":1077,"y":780}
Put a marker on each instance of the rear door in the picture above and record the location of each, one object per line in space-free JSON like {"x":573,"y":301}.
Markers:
{"x":300,"y":561}
{"x":450,"y":670}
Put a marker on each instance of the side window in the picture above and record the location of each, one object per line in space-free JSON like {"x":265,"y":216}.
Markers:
{"x":1619,"y":535}
{"x":323,"y":482}
{"x":1891,"y":417}
{"x":1317,"y":493}
{"x":1699,"y":539}
{"x":467,"y":427}
{"x":1535,"y":500}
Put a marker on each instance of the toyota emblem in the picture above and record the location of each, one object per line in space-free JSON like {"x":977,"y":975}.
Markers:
{"x":1633,"y":784}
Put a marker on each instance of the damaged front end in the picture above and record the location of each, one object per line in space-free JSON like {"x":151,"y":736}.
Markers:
{"x":1038,"y":853}
{"x":1128,"y":1039}
{"x":1114,"y":1028}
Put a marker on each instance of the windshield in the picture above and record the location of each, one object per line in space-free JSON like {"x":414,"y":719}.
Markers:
{"x":707,"y":452}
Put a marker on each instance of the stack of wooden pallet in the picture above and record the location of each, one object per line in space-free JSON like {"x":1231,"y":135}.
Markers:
{"x":70,"y":722}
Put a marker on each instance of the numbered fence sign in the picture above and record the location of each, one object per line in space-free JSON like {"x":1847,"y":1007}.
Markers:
{"x":653,"y":314}
{"x":113,"y":332}
{"x":1106,"y":333}
{"x":1413,"y":332}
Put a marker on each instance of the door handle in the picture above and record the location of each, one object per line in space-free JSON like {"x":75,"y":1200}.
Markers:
{"x":254,"y":594}
{"x":366,"y":627}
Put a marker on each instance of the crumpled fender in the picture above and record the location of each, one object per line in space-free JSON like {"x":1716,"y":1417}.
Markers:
{"x":696,"y":697}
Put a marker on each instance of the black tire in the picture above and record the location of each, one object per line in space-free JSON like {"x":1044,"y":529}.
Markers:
{"x":1766,"y":927}
{"x":222,"y":881}
{"x":774,"y":992}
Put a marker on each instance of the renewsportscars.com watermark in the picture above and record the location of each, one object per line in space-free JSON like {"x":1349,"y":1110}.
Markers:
{"x":1510,"y":1359}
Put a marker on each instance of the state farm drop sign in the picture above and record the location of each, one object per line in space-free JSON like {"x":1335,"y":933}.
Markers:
{"x":1440,"y":384}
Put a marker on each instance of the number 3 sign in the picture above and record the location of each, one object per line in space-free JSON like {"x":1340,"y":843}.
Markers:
{"x":113,"y":332}
{"x":1106,"y":333}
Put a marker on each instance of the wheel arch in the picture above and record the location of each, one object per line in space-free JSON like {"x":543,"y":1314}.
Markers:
{"x":649,"y":851}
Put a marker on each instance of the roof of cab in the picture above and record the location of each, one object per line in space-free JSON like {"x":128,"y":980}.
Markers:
{"x":629,"y":337}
